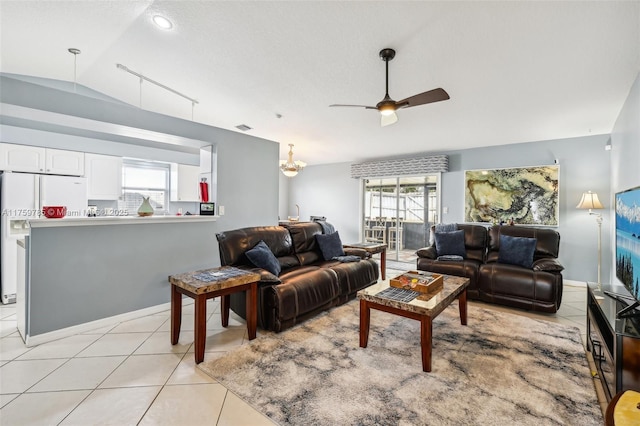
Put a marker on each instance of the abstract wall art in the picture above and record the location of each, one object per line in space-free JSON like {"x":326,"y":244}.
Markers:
{"x":526,"y":195}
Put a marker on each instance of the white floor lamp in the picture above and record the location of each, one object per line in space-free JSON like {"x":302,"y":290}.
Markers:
{"x":590,"y":201}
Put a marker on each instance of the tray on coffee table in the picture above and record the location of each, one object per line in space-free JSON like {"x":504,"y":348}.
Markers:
{"x":420,"y":281}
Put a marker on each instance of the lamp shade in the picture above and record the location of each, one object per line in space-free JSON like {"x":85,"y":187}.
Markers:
{"x":590,"y":201}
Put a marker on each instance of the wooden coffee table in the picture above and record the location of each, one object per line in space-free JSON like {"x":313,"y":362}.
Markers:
{"x":207,"y":284}
{"x":373,"y":248}
{"x":420,"y":308}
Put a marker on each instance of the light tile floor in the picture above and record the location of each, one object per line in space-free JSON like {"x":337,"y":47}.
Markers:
{"x":130,"y":374}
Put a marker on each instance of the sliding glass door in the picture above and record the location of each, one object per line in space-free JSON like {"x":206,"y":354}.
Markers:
{"x":398,"y":212}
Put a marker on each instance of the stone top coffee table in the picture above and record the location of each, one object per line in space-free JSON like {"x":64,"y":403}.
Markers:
{"x":424,"y":308}
{"x":207,"y":284}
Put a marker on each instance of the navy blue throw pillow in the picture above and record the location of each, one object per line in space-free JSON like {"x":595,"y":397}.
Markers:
{"x":261,"y":256}
{"x":517,"y":251}
{"x":330,"y":245}
{"x":450,"y":243}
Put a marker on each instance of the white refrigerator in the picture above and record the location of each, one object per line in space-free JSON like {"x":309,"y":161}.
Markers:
{"x":22,"y":196}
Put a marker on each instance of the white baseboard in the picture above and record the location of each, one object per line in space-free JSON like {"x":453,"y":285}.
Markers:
{"x":88,"y":326}
{"x":573,"y":283}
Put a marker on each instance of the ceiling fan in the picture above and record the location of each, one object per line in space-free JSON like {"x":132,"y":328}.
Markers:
{"x":388,"y":106}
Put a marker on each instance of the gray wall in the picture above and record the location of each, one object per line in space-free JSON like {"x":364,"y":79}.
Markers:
{"x":625,"y":156}
{"x":283,"y":197}
{"x":328,"y":190}
{"x":584,"y":165}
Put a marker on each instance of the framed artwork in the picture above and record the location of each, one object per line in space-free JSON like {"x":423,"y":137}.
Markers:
{"x":526,"y":195}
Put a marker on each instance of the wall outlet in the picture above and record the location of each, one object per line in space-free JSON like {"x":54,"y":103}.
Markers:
{"x":445,"y":210}
{"x":220,"y":210}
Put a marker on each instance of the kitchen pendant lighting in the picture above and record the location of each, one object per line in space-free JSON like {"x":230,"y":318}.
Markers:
{"x":289,"y":167}
{"x":75,"y":53}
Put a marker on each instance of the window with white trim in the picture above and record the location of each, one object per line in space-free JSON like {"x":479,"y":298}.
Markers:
{"x":144,"y":179}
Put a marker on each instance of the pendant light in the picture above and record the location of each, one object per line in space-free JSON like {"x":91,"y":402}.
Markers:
{"x":289,"y":167}
{"x":75,"y":52}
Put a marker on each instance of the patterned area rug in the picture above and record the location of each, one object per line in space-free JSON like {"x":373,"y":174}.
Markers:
{"x":501,"y":369}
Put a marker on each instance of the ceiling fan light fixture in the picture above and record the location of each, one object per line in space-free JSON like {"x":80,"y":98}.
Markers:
{"x":387,"y":106}
{"x":289,"y":167}
{"x":387,"y":110}
{"x":387,"y":120}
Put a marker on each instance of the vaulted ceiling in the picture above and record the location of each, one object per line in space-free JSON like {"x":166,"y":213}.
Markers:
{"x":516,"y":71}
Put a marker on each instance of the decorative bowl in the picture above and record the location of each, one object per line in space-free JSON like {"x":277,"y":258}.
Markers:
{"x":54,"y":212}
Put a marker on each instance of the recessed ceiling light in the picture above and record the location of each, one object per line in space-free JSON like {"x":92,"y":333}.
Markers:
{"x":162,"y":22}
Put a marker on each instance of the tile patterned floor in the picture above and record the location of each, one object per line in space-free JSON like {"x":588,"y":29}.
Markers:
{"x":130,"y":374}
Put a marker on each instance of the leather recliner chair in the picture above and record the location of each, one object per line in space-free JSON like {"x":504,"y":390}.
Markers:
{"x":538,"y":288}
{"x":475,"y":243}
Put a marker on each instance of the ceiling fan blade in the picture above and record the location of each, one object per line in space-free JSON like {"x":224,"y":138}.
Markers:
{"x":357,"y":106}
{"x":386,"y":120}
{"x":435,"y":95}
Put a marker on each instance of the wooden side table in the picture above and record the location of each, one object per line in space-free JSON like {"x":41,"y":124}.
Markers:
{"x":373,"y":248}
{"x":207,"y":284}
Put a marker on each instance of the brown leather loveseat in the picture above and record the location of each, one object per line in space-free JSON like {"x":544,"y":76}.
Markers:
{"x":536,"y":287}
{"x":307,"y":283}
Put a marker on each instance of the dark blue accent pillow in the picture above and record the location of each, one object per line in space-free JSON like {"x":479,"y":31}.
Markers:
{"x":517,"y":251}
{"x":261,"y":256}
{"x":450,"y":243}
{"x":330,"y":245}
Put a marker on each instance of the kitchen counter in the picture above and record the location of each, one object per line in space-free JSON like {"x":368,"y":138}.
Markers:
{"x":90,"y":272}
{"x":117,"y":220}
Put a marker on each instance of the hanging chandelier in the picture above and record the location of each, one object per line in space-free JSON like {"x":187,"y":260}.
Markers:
{"x":291,"y":168}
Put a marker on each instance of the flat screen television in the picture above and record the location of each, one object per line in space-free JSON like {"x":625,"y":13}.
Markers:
{"x":628,"y":245}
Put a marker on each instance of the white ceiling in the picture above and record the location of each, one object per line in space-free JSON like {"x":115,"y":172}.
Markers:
{"x":515,"y":71}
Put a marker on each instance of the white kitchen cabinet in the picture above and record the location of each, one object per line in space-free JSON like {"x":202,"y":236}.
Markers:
{"x":22,"y":158}
{"x":104,"y":176}
{"x":35,"y":159}
{"x":185,"y":181}
{"x":62,"y":162}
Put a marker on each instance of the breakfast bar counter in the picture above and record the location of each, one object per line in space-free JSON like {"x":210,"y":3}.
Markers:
{"x":88,"y":272}
{"x":118,"y":220}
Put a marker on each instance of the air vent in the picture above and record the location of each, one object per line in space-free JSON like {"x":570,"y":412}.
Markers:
{"x":243,"y":127}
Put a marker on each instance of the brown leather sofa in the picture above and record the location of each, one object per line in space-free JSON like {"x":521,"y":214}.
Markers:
{"x":538,"y":288}
{"x":307,"y":284}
